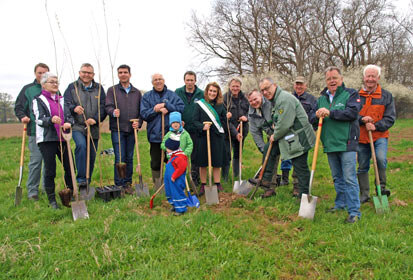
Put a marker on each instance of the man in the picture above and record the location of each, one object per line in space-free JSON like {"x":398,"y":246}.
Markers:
{"x":85,"y":103}
{"x":123,"y":104}
{"x":377,"y":115}
{"x":237,"y":106}
{"x":23,"y":111}
{"x":158,"y":102}
{"x":189,"y":94}
{"x":309,"y":103}
{"x":293,"y":135}
{"x":339,"y":106}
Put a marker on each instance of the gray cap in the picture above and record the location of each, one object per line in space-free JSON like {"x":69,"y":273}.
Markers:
{"x":300,"y":79}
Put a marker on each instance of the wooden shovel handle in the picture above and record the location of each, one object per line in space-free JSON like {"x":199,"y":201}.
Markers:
{"x":135,"y":131}
{"x":88,"y":153}
{"x":317,"y":143}
{"x":267,"y":155}
{"x":209,"y":155}
{"x":23,"y":144}
{"x":373,"y":155}
{"x":72,"y":169}
{"x":240,"y":152}
{"x":162,"y":152}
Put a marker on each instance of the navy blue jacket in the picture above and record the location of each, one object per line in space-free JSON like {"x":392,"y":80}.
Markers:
{"x":154,"y":120}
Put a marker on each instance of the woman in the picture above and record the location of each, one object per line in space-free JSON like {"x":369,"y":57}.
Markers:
{"x":210,"y":109}
{"x":49,"y":112}
{"x":237,"y":106}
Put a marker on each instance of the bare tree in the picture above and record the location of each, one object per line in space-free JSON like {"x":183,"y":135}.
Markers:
{"x":6,"y":106}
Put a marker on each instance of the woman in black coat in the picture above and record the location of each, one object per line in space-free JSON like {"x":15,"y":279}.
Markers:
{"x":210,"y":109}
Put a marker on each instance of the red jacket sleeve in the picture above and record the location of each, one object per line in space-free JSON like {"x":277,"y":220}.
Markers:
{"x":179,"y":164}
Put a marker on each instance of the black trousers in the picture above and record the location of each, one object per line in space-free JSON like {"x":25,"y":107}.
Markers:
{"x":155,"y":151}
{"x":49,"y":151}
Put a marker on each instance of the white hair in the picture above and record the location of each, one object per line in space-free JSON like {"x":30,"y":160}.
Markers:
{"x":373,"y":67}
{"x":46,"y":76}
{"x":153,"y":75}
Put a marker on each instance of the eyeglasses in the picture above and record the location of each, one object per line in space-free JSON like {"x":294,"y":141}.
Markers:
{"x":86,"y":72}
{"x":53,"y":83}
{"x":265,"y":89}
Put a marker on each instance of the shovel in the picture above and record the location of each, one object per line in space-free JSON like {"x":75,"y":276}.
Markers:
{"x":193,"y":201}
{"x":191,"y":181}
{"x":241,"y":187}
{"x":308,"y":202}
{"x":79,"y":209}
{"x":19,"y":191}
{"x":155,"y":194}
{"x":141,"y":189}
{"x":262,"y":170}
{"x":381,"y":202}
{"x":211,"y":192}
{"x":158,"y":181}
{"x":90,"y":191}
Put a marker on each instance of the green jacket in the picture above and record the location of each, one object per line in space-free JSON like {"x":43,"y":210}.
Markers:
{"x":341,"y":131}
{"x":24,"y":104}
{"x":185,"y":142}
{"x":187,"y":115}
{"x":294,"y":133}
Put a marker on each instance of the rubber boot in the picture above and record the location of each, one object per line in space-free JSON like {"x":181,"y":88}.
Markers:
{"x":382,"y":177}
{"x":284,"y":178}
{"x":155,"y":175}
{"x":364,"y":184}
{"x":225,"y":173}
{"x":235,"y":167}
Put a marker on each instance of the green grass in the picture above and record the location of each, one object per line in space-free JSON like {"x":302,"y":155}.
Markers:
{"x":260,"y":239}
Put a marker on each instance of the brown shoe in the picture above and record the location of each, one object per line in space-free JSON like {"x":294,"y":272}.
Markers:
{"x":296,"y":191}
{"x":269,"y":193}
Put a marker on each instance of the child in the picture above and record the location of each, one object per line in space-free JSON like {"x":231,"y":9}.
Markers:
{"x":174,"y":178}
{"x":176,"y":129}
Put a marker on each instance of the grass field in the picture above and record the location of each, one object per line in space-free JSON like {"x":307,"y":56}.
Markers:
{"x":238,"y":239}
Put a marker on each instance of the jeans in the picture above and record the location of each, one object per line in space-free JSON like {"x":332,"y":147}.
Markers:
{"x":127,"y":144}
{"x":35,"y":168}
{"x":81,"y":155}
{"x":343,"y":169}
{"x":286,"y":164}
{"x":364,"y":155}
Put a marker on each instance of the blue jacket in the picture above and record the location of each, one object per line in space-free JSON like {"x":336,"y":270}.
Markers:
{"x":154,"y":120}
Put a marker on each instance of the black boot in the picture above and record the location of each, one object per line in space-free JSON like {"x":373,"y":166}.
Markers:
{"x":382,"y":177}
{"x":225,"y":173}
{"x":364,"y":185}
{"x":284,"y":178}
{"x":235,"y":167}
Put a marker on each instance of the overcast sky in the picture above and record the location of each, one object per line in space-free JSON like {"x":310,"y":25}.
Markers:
{"x":152,"y":37}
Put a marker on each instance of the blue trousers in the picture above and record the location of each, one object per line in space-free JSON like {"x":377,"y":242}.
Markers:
{"x":175,"y":190}
{"x":81,"y":156}
{"x":343,"y":169}
{"x":127,"y":145}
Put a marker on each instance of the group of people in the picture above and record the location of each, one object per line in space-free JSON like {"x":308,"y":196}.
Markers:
{"x":177,"y":123}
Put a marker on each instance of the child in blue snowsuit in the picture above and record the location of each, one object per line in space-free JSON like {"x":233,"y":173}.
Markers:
{"x":174,"y":178}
